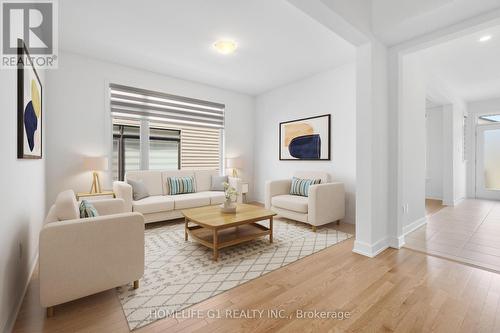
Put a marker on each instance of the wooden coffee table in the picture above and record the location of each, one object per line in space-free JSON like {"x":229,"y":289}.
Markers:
{"x":217,"y":230}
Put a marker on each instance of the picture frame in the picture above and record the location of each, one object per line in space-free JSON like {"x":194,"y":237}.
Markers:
{"x":305,"y":139}
{"x":29,"y":107}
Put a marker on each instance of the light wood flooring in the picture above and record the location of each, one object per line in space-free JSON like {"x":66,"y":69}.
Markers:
{"x":400,"y":291}
{"x":469,"y":233}
{"x":433,"y":206}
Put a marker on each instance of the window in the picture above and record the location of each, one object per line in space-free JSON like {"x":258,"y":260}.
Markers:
{"x":184,"y":133}
{"x":164,"y":149}
{"x":126,"y":150}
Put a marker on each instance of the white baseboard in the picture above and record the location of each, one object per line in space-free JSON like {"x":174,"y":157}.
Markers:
{"x":370,"y":250}
{"x":414,"y":225}
{"x":397,"y":242}
{"x":11,"y":321}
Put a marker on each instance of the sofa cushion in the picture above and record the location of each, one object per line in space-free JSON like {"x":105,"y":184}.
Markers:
{"x":324,"y":176}
{"x":294,"y":203}
{"x":151,"y":179}
{"x":154,"y":204}
{"x":139,"y":189}
{"x":218,"y":183}
{"x":204,"y":179}
{"x":216,"y":197}
{"x":66,"y":207}
{"x":191,"y":200}
{"x":301,"y":186}
{"x":87,"y":210}
{"x":173,"y":173}
{"x":181,"y":185}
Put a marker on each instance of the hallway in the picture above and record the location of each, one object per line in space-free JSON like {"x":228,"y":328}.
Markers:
{"x":469,"y":233}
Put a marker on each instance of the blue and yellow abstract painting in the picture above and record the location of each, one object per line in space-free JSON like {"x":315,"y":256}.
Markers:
{"x":29,"y":110}
{"x":305,"y":139}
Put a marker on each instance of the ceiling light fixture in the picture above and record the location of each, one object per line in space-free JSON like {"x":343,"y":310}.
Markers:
{"x":485,"y":38}
{"x":225,"y":46}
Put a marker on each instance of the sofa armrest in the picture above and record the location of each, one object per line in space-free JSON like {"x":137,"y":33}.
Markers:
{"x":85,"y":256}
{"x":108,"y":206}
{"x":326,"y":203}
{"x":236,"y":183}
{"x":124,"y":191}
{"x":276,"y":187}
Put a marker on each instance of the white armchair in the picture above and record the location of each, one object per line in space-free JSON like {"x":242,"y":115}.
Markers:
{"x":325,"y":203}
{"x":80,"y":257}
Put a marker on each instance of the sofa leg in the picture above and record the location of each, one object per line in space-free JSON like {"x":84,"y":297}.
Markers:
{"x":314,"y":228}
{"x":50,"y":311}
{"x":338,"y":222}
{"x":136,"y":284}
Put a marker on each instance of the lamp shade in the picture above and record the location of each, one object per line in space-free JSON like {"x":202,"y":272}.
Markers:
{"x":95,"y":163}
{"x":234,"y":163}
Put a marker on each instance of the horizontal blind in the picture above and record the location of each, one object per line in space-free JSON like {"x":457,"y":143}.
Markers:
{"x":200,"y":146}
{"x":135,"y":103}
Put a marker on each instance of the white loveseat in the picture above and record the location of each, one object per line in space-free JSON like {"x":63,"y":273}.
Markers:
{"x":84,"y":256}
{"x":160,"y":205}
{"x":325,"y":203}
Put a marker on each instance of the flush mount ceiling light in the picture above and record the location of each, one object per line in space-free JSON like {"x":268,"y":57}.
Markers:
{"x":485,"y":38}
{"x":225,"y":46}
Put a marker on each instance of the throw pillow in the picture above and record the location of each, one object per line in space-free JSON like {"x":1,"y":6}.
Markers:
{"x":301,"y":186}
{"x":218,"y":183}
{"x":139,"y":190}
{"x":87,"y":210}
{"x":181,"y":185}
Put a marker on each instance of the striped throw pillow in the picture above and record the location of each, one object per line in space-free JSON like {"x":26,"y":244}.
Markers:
{"x":87,"y":210}
{"x":181,"y":185}
{"x":301,"y":186}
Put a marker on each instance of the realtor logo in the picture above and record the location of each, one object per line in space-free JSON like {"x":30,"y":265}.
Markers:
{"x":35,"y":23}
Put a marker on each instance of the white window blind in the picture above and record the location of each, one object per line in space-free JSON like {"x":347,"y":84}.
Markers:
{"x":135,"y":103}
{"x":200,"y":124}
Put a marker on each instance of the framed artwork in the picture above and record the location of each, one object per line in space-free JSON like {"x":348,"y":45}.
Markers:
{"x":305,"y":139}
{"x":29,"y":107}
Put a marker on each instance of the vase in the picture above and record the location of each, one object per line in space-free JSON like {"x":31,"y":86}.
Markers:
{"x":228,"y":206}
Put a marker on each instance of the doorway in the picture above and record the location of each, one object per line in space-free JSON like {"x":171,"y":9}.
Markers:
{"x":488,"y":157}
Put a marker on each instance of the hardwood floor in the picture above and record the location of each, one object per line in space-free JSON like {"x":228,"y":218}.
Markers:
{"x":468,"y":232}
{"x":433,"y":206}
{"x":401,"y":291}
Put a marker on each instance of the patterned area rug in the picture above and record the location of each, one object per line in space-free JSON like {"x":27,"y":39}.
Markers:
{"x":179,"y":274}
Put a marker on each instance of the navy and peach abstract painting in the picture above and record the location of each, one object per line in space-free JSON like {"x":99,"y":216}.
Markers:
{"x":305,"y":139}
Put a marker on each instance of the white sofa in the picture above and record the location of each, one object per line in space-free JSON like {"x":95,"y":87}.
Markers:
{"x":160,"y":205}
{"x":325,"y":203}
{"x":81,"y":257}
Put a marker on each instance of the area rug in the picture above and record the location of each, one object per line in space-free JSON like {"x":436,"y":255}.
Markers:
{"x":179,"y":274}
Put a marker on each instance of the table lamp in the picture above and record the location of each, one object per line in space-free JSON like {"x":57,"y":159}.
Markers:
{"x":235,"y":164}
{"x":95,"y":164}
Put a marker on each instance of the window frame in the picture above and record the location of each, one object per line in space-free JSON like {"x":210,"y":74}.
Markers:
{"x":121,"y":146}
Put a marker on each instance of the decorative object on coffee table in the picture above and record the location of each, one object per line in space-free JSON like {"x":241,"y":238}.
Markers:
{"x":229,"y":206}
{"x":217,"y":230}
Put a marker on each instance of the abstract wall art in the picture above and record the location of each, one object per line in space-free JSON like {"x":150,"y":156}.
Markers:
{"x":29,"y":107}
{"x":305,"y":139}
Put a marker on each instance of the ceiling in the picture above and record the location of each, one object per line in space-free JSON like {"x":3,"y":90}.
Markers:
{"x":277,"y":43}
{"x":395,"y":21}
{"x":470,"y":69}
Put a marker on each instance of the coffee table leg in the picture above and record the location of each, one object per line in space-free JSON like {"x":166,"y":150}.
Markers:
{"x":216,"y":244}
{"x":271,"y":230}
{"x":186,"y":221}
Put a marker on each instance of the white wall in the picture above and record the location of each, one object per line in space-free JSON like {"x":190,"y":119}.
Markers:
{"x":434,"y":153}
{"x":78,"y":117}
{"x":22,"y":204}
{"x":413,"y":142}
{"x":331,"y":92}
